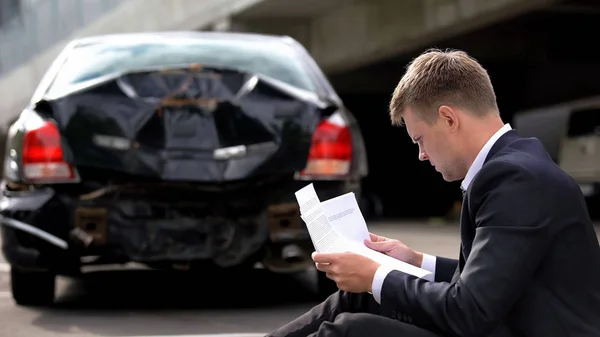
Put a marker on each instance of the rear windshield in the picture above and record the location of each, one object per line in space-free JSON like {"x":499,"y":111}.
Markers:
{"x":270,"y":58}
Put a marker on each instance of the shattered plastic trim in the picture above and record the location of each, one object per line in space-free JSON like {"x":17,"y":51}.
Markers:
{"x":35,"y":231}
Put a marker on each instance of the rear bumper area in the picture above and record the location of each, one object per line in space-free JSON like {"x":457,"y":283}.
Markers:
{"x":16,"y":253}
{"x":33,"y":230}
{"x":230,"y":229}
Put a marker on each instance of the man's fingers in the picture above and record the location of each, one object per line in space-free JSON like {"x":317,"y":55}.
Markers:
{"x":326,"y":268}
{"x":382,"y":246}
{"x":376,"y":238}
{"x":324,"y":257}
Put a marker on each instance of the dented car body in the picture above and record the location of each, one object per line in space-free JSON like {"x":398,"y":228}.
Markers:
{"x":172,"y":149}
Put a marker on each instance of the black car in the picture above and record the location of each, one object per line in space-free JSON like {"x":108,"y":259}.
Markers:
{"x":172,"y":149}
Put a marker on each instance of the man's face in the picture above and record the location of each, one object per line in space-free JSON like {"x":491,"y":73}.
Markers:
{"x":437,"y":143}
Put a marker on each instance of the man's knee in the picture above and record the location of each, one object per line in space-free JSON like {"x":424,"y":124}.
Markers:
{"x":364,"y":324}
{"x":348,"y":324}
{"x":348,"y":319}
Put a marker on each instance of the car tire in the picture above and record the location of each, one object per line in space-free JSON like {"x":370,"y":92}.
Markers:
{"x":325,"y":286}
{"x":32,"y":288}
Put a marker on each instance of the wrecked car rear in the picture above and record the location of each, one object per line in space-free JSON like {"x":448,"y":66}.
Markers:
{"x":179,"y":164}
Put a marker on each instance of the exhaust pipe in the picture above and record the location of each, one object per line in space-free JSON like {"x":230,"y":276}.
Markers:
{"x":292,"y":254}
{"x":290,"y":259}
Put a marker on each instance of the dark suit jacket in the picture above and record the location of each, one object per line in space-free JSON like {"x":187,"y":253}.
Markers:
{"x":529,"y":258}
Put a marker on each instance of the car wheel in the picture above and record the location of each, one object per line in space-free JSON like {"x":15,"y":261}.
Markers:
{"x":32,"y":288}
{"x":325,"y":286}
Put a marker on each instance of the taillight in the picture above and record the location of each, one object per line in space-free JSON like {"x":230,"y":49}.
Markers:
{"x":42,"y":158}
{"x":331,"y":151}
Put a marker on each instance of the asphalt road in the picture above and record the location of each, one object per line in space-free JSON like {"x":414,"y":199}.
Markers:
{"x":148,"y":303}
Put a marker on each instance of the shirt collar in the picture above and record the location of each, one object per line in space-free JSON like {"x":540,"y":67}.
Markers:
{"x":478,"y":162}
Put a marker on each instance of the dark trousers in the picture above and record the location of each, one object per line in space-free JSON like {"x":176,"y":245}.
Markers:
{"x":349,"y":315}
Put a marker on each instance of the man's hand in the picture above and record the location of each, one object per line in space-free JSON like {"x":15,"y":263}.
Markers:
{"x":351,"y":272}
{"x":395,"y":249}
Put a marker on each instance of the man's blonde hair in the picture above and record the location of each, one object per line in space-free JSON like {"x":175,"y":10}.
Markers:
{"x":437,"y":78}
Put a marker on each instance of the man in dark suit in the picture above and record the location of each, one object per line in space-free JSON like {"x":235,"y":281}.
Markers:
{"x":529,"y":260}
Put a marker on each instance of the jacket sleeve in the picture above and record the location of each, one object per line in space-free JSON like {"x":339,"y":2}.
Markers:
{"x":514,"y":224}
{"x":445,"y":268}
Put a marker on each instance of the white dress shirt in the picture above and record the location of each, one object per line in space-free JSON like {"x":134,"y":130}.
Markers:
{"x":429,"y":261}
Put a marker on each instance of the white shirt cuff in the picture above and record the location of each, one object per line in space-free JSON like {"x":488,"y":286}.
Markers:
{"x":428,"y":263}
{"x":380,"y":275}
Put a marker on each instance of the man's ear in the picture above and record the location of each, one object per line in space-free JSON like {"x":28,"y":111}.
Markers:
{"x":449,"y":117}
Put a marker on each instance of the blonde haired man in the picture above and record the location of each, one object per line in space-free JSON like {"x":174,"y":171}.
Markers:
{"x":529,"y":260}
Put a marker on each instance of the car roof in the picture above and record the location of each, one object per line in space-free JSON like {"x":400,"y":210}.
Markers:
{"x":240,"y":36}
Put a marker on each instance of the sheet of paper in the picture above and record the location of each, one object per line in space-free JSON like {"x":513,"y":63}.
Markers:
{"x":337,"y":225}
{"x":323,"y":237}
{"x":345,"y":217}
{"x":307,"y":199}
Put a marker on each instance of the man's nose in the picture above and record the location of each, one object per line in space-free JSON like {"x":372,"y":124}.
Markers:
{"x":423,"y":156}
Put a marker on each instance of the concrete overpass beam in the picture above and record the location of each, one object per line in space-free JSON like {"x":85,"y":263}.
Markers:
{"x":297,"y":28}
{"x":367,"y":31}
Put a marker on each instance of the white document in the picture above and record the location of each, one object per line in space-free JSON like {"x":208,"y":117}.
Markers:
{"x":323,"y":237}
{"x":345,"y":217}
{"x":337,"y":225}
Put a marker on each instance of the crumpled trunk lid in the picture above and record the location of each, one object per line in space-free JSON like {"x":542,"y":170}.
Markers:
{"x":192,"y":124}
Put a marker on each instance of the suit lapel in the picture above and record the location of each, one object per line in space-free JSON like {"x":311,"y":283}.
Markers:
{"x":466,"y":231}
{"x":467,"y":222}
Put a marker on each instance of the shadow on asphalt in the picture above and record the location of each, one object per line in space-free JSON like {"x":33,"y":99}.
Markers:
{"x":149,"y":289}
{"x":151,"y":303}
